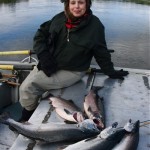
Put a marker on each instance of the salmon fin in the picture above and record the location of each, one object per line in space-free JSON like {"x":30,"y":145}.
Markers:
{"x":67,"y":112}
{"x":85,"y":96}
{"x":69,"y":122}
{"x":89,"y":109}
{"x":50,"y":102}
{"x":71,"y":101}
{"x":100,"y":101}
{"x":31,"y":138}
{"x":13,"y":129}
{"x":91,"y":138}
{"x":62,"y":147}
{"x":101,"y":98}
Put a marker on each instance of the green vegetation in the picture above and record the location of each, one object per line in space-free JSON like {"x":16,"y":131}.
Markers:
{"x":147,"y":2}
{"x":10,"y":1}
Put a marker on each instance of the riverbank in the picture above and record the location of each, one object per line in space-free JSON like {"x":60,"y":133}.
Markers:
{"x":145,"y":2}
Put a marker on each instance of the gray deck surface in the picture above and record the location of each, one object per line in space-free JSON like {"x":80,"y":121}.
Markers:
{"x":122,"y":100}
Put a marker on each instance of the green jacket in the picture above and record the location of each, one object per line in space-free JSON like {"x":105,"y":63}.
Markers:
{"x":75,"y":48}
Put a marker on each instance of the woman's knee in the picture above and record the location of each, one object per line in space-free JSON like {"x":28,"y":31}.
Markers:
{"x":24,"y":87}
{"x":67,"y":78}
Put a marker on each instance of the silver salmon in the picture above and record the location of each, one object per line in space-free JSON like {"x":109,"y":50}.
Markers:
{"x":106,"y":140}
{"x":130,"y":140}
{"x":94,"y":108}
{"x":53,"y":132}
{"x":67,"y":109}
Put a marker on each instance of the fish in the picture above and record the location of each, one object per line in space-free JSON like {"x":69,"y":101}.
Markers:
{"x":106,"y":140}
{"x":94,"y":108}
{"x":67,"y":110}
{"x":52,"y":132}
{"x":130,"y":140}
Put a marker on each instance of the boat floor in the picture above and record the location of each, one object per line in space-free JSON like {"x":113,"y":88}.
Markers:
{"x":123,"y":100}
{"x":7,"y":137}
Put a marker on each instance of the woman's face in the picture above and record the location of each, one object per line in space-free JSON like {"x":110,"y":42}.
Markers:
{"x":77,"y":7}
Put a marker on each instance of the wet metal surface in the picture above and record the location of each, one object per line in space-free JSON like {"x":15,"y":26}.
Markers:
{"x":128,"y":99}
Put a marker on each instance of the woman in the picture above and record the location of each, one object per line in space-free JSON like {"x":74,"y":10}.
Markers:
{"x":65,"y":46}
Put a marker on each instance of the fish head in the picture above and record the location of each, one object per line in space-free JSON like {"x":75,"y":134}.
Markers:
{"x":88,"y":126}
{"x":4,"y":117}
{"x":108,"y":131}
{"x":132,"y":127}
{"x":99,"y":123}
{"x":78,"y":116}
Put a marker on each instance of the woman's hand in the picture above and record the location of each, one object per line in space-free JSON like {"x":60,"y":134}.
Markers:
{"x":119,"y":74}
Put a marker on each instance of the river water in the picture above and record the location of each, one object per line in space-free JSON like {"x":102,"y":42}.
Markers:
{"x":127,"y":27}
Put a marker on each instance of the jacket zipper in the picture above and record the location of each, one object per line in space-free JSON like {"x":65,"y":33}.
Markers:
{"x":68,"y":31}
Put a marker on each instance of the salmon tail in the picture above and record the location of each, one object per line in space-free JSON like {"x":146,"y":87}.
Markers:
{"x":136,"y":126}
{"x":132,"y":127}
{"x":3,"y":118}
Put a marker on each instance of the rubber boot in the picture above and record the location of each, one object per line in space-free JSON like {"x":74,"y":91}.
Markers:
{"x":26,"y":114}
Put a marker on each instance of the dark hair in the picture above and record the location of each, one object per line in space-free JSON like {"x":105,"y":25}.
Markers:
{"x":68,"y":14}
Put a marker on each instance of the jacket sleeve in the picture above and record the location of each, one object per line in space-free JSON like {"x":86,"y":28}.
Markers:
{"x":43,"y":47}
{"x":40,"y":41}
{"x":101,"y":54}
